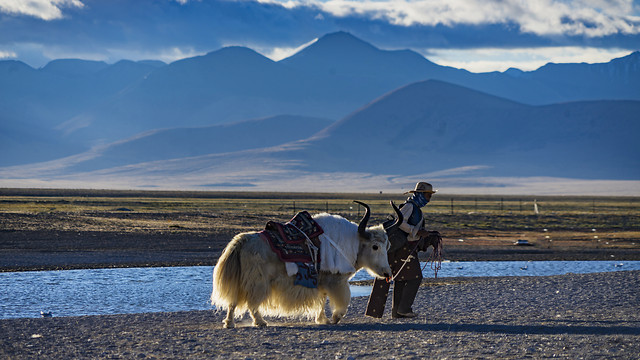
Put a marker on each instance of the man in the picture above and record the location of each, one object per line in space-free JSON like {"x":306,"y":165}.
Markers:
{"x":404,"y":260}
{"x":405,"y":263}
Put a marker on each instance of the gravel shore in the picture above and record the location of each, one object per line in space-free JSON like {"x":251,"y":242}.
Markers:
{"x":572,"y":316}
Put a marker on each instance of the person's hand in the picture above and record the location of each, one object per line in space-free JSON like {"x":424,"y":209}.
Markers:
{"x":422,"y":233}
{"x":428,"y":238}
{"x":422,"y":244}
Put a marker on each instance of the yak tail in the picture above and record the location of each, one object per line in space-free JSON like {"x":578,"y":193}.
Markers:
{"x":227,"y":276}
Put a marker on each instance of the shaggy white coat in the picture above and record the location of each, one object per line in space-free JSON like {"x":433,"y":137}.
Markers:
{"x":337,"y":232}
{"x":250,"y":276}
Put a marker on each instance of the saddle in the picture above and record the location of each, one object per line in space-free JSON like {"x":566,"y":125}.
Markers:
{"x":297,"y":242}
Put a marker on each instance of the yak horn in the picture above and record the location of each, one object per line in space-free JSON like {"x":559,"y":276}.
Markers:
{"x":362,"y":227}
{"x":398,"y":213}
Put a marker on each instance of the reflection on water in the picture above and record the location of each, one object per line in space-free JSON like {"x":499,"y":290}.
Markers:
{"x":520,"y":268}
{"x":104,"y":291}
{"x":134,"y":290}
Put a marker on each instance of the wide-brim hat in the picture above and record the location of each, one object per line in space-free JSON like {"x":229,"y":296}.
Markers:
{"x":423,"y":187}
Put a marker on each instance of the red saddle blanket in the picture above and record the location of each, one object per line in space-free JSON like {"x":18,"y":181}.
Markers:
{"x":289,"y":242}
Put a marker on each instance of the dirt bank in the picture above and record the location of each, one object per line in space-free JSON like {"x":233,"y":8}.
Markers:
{"x":45,"y":234}
{"x":56,"y":250}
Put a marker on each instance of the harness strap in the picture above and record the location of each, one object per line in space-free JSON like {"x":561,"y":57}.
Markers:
{"x":313,"y":249}
{"x":351,"y":261}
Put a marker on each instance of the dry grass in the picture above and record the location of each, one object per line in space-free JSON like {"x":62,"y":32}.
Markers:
{"x":203,"y":222}
{"x":487,"y":219}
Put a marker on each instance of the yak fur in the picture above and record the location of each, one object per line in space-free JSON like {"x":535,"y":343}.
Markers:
{"x":249,"y":276}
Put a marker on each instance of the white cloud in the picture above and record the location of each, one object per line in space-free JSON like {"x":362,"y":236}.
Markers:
{"x":184,"y":2}
{"x":56,"y":52}
{"x":167,"y":55}
{"x":43,"y":9}
{"x":527,"y":59}
{"x":591,"y":18}
{"x":279,"y":53}
{"x":272,"y":52}
{"x":8,"y":55}
{"x":289,"y":4}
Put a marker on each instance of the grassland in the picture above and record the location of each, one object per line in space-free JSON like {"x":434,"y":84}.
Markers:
{"x":48,"y":228}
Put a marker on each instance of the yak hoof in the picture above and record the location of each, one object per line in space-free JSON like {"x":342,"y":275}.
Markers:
{"x":261,"y":323}
{"x":323,"y":321}
{"x":228,"y":324}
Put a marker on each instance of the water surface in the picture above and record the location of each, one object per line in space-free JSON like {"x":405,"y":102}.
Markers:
{"x":135,"y":290}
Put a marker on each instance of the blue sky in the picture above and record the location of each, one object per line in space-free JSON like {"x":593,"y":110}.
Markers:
{"x":479,"y":35}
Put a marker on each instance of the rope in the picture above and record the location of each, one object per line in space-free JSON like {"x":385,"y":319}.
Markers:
{"x":312,"y":248}
{"x":405,"y":261}
{"x":351,"y":261}
{"x":435,"y":259}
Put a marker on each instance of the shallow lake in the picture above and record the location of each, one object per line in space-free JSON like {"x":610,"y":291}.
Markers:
{"x":136,"y":290}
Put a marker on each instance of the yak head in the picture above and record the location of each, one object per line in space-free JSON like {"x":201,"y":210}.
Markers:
{"x":374,"y":244}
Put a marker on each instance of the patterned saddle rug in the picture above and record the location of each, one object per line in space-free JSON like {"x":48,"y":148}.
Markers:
{"x":297,"y":242}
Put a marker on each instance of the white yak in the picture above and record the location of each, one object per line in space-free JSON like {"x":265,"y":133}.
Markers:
{"x":250,"y":276}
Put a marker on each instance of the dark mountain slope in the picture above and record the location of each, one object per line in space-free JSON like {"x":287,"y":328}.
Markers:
{"x":190,"y":142}
{"x":431,"y":126}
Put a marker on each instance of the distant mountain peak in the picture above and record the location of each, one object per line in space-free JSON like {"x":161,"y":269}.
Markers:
{"x":237,"y":53}
{"x":234,"y":50}
{"x":74,"y":67}
{"x":434,"y":92}
{"x":229,"y":57}
{"x":338,"y":44}
{"x":342,"y":38}
{"x":152,"y":63}
{"x":14,"y":66}
{"x":343,"y":54}
{"x":633,"y":58}
{"x":514,"y":72}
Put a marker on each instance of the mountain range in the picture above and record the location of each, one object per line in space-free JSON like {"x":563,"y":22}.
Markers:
{"x":340,"y":105}
{"x":434,"y":125}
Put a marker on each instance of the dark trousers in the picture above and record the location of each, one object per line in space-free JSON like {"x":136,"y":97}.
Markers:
{"x":404,"y":293}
